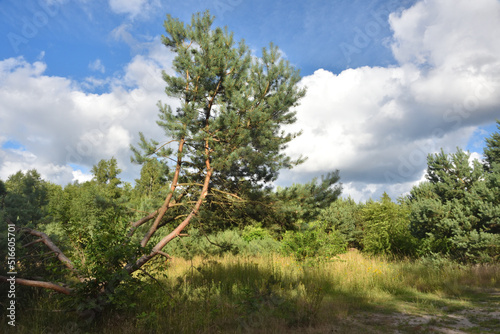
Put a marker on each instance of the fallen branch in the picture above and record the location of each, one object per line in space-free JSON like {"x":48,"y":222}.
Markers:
{"x":53,"y":247}
{"x":39,"y":284}
{"x":32,"y":243}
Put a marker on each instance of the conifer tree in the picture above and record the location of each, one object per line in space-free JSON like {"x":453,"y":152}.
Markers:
{"x":302,"y":203}
{"x":228,"y":126}
{"x":345,"y":216}
{"x":492,"y":149}
{"x":152,"y":180}
{"x":456,"y":213}
{"x":226,"y":138}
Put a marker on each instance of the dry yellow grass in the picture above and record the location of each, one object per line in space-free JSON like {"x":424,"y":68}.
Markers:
{"x":351,"y":293}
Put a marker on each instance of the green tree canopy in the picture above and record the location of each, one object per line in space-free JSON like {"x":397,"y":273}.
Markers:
{"x":304,"y":202}
{"x":25,"y":198}
{"x":456,"y":212}
{"x":105,"y":173}
{"x":386,"y":228}
{"x":492,"y":149}
{"x":345,"y":216}
{"x":228,"y":128}
{"x":153,"y":179}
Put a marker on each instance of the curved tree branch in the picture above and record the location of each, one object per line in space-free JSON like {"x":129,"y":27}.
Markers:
{"x":39,"y":284}
{"x":131,"y":267}
{"x":53,"y":247}
{"x":164,"y":207}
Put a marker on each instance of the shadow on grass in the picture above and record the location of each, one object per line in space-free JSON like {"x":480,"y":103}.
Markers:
{"x":244,"y":296}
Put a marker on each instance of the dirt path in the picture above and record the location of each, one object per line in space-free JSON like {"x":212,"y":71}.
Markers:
{"x":482,"y":317}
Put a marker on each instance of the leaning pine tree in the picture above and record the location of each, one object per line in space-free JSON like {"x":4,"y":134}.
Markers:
{"x":228,"y":126}
{"x":225,"y":139}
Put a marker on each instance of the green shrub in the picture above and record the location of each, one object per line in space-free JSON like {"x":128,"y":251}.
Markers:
{"x":345,"y":216}
{"x":386,"y":228}
{"x":255,"y":232}
{"x":313,"y":243}
{"x":257,"y":241}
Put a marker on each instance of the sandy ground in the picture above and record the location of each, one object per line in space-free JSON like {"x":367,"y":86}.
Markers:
{"x":484,"y":317}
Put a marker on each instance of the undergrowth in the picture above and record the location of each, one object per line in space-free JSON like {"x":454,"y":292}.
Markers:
{"x":270,"y":293}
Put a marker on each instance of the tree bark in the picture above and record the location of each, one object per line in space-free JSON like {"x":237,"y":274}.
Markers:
{"x":141,"y":221}
{"x":50,"y":244}
{"x":164,"y":207}
{"x":131,"y":267}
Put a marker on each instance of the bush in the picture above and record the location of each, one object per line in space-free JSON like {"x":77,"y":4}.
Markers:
{"x":255,"y":232}
{"x":386,"y":228}
{"x":220,"y":243}
{"x":313,"y":243}
{"x":344,"y":216}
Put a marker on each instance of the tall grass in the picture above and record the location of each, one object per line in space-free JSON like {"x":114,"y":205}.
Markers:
{"x":275,"y":294}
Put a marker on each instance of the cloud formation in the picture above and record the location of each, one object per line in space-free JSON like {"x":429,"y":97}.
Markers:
{"x":377,"y":125}
{"x":132,"y":7}
{"x":97,"y":66}
{"x":59,"y":125}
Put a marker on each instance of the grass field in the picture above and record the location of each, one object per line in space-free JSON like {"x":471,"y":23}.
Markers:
{"x":352,"y":293}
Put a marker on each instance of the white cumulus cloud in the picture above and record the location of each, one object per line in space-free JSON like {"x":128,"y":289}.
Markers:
{"x":376,"y":125}
{"x":59,"y":124}
{"x":132,"y":7}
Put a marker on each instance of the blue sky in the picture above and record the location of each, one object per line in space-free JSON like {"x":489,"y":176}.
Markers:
{"x":388,"y":82}
{"x":310,"y":34}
